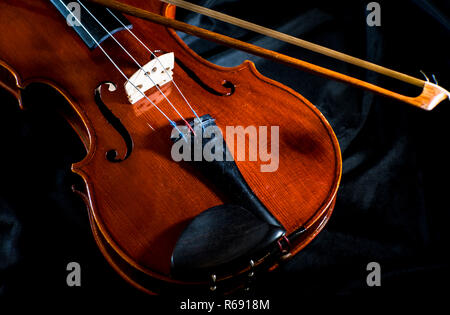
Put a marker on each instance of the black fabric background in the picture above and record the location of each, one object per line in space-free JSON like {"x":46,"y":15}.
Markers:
{"x":392,"y":204}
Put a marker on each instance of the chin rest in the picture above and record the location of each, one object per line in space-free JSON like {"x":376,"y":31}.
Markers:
{"x":221,"y":237}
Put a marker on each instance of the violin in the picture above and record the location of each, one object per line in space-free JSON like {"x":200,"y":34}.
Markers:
{"x":144,"y":104}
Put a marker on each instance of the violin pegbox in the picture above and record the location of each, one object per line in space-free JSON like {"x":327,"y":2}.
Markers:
{"x":158,"y":71}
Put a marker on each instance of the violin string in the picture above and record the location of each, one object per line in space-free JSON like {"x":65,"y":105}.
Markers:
{"x":138,"y":64}
{"x":157,"y":58}
{"x":118,"y":68}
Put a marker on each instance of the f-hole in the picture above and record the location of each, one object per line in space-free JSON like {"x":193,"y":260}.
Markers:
{"x":226,"y":84}
{"x":111,"y":155}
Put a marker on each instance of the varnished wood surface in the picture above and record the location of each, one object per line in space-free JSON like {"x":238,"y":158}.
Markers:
{"x":141,"y":205}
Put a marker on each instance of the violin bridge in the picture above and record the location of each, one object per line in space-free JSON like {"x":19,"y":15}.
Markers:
{"x":158,"y":71}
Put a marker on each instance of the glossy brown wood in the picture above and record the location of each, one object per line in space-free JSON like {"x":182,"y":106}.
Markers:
{"x":139,"y":207}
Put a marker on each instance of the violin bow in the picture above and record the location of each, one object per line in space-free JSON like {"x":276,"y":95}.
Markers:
{"x":432,"y":94}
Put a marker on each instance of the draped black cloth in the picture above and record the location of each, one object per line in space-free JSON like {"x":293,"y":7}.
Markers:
{"x":392,"y":203}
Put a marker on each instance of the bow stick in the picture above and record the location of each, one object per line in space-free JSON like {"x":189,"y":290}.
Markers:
{"x":432,"y":94}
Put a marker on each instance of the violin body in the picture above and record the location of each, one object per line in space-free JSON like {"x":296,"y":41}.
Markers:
{"x":139,"y":199}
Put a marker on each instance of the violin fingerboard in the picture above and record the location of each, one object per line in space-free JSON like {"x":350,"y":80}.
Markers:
{"x":90,"y":31}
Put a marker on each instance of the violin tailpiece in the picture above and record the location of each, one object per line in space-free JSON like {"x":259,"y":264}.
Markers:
{"x":227,"y":234}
